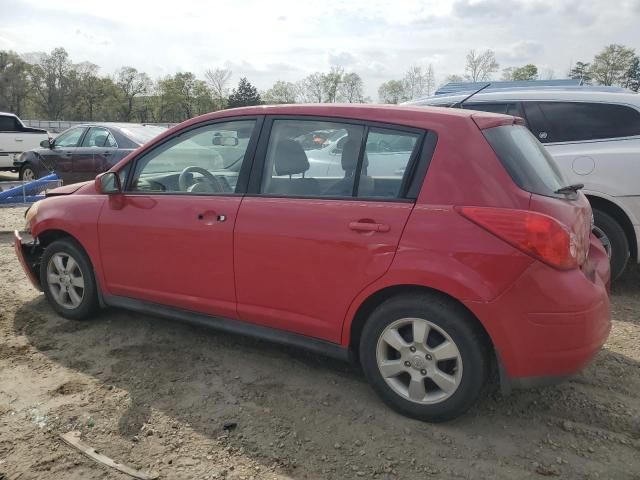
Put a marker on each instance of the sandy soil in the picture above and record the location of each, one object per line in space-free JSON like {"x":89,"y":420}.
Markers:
{"x":156,"y":395}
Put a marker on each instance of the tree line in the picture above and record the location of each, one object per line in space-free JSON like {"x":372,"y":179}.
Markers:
{"x":50,"y":86}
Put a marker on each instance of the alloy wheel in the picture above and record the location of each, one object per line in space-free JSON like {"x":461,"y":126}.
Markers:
{"x":419,"y":360}
{"x":65,"y":280}
{"x":28,"y":175}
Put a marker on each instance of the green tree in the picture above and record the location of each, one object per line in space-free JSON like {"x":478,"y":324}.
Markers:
{"x":581,"y":71}
{"x":611,"y":65}
{"x":14,"y":82}
{"x":280,"y":92}
{"x":90,"y":88}
{"x":131,"y":84}
{"x":50,"y":78}
{"x":527,"y":72}
{"x":331,"y":84}
{"x":633,"y":75}
{"x":244,"y":95}
{"x":392,"y":91}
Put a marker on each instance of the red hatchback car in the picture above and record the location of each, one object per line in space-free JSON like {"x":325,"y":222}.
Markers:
{"x":447,"y":248}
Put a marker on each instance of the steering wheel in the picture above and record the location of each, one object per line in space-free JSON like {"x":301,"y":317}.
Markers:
{"x":212,"y":181}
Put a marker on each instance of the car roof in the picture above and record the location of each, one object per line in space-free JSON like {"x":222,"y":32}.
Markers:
{"x":527,"y":94}
{"x":112,"y":125}
{"x":407,"y":115}
{"x":9,"y":114}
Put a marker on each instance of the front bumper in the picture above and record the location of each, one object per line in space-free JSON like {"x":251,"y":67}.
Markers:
{"x":28,"y":254}
{"x":549,"y":324}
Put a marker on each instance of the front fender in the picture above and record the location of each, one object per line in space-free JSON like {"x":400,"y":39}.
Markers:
{"x":76,"y":216}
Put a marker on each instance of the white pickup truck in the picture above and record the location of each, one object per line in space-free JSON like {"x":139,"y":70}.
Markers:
{"x":16,"y":138}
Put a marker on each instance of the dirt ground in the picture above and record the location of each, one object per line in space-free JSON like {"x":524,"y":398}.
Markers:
{"x":156,"y":395}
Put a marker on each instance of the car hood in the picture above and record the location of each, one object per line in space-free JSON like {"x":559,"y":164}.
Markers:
{"x":67,"y":189}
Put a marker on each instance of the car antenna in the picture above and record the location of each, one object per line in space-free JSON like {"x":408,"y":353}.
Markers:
{"x":459,"y":104}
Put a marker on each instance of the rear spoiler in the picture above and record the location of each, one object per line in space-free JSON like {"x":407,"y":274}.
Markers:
{"x":485,"y":120}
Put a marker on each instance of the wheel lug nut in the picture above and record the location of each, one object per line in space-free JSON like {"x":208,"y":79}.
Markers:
{"x":407,"y":364}
{"x":413,"y":349}
{"x":423,"y":372}
{"x":428,"y":357}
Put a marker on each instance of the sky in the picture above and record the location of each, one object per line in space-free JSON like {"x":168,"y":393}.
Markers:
{"x":288,"y":39}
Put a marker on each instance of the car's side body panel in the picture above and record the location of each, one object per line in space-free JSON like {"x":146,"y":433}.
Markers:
{"x":170,"y":249}
{"x":317,"y":261}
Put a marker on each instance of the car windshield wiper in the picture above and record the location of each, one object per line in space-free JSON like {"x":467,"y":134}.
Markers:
{"x":570,"y":188}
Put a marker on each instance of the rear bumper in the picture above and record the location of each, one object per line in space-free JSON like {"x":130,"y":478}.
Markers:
{"x":26,"y":256}
{"x":549,"y":324}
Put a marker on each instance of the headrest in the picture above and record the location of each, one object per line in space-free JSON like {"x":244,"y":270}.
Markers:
{"x":290,"y":158}
{"x":350,"y":152}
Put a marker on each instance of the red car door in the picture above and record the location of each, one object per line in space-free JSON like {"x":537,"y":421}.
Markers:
{"x":168,"y":238}
{"x":307,"y":243}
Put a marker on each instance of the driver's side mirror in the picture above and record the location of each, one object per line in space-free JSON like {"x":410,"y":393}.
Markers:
{"x":108,"y":183}
{"x":48,"y":143}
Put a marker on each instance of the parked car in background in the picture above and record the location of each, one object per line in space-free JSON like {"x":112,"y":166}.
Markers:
{"x":15,"y":138}
{"x":83,"y":151}
{"x":594,"y":137}
{"x":433,"y":275}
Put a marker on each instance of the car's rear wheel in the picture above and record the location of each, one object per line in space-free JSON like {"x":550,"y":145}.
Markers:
{"x":27,"y":173}
{"x":425,"y":356}
{"x":67,"y":279}
{"x":614,"y":241}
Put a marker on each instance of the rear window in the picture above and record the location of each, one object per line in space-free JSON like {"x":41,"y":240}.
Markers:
{"x":525,"y":159}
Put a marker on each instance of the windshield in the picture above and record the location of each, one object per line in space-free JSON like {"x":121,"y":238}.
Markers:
{"x":526,"y":160}
{"x":142,"y":133}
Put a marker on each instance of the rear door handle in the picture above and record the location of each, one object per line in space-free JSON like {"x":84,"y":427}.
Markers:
{"x":368,"y":227}
{"x":19,"y":139}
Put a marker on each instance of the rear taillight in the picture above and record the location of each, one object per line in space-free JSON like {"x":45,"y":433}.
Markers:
{"x":536,"y":234}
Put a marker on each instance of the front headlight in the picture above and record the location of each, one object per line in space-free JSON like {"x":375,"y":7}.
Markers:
{"x":30,"y":214}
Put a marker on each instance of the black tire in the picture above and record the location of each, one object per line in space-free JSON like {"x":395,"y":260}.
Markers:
{"x":461,"y":328}
{"x":618,"y":241}
{"x":24,"y":172}
{"x":89,"y":303}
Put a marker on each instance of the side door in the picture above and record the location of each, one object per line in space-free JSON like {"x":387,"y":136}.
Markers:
{"x":59,"y":157}
{"x":100,"y":147}
{"x":306,"y":244}
{"x":10,"y":140}
{"x":168,"y":238}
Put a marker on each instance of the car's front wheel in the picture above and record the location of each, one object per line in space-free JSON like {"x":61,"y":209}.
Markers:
{"x":27,"y":173}
{"x":425,"y":356}
{"x":67,"y":279}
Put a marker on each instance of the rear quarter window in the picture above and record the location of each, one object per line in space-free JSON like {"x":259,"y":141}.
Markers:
{"x":526,"y":160}
{"x":580,"y":121}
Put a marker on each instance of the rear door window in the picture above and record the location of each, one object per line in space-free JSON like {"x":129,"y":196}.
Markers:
{"x":579,"y":121}
{"x":387,"y":156}
{"x":526,"y":160}
{"x":98,"y":137}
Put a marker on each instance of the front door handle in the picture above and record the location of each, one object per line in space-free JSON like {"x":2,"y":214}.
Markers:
{"x":210,"y":217}
{"x":364,"y":226}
